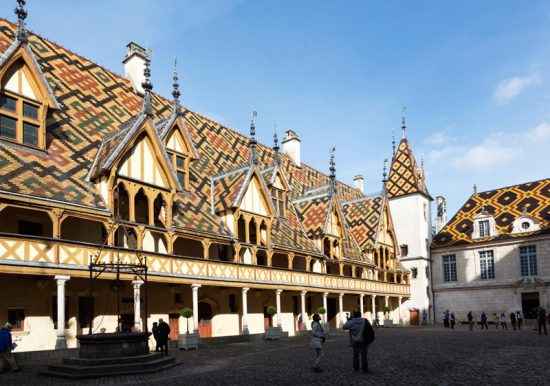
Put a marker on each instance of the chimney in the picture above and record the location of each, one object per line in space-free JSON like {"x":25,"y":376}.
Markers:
{"x":358,"y":180}
{"x":291,"y":147}
{"x":134,"y":64}
{"x":441,"y":213}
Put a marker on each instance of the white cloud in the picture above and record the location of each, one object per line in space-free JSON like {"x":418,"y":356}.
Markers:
{"x":439,"y":138}
{"x":486,"y":158}
{"x":508,"y":89}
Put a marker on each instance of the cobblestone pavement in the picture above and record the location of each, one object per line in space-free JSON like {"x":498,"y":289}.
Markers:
{"x":399,"y":356}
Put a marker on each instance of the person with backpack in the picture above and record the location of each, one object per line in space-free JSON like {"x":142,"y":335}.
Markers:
{"x":362,"y":334}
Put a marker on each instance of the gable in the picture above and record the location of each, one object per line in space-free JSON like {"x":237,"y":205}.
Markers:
{"x":175,"y":142}
{"x":253,"y":199}
{"x":17,"y":80}
{"x":334,"y":223}
{"x":142,"y":164}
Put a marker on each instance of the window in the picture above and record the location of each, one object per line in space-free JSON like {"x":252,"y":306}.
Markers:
{"x":449,"y":268}
{"x":528,"y":260}
{"x":404,"y":250}
{"x":414,"y":273}
{"x":486,"y":265}
{"x":16,"y":317}
{"x":525,"y":225}
{"x":484,"y":228}
{"x":278,"y":197}
{"x":19,"y":120}
{"x":180,"y":165}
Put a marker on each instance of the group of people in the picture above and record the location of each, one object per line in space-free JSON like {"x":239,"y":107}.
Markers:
{"x":361,"y":335}
{"x":449,"y":319}
{"x":516,"y":320}
{"x":161,"y":333}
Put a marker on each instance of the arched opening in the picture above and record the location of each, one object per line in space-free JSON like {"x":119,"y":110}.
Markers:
{"x":278,"y":260}
{"x":326,"y":247}
{"x":122,"y":203}
{"x":245,"y":256}
{"x":187,"y":247}
{"x":263,"y":233}
{"x":154,"y":242}
{"x":25,"y":222}
{"x":299,"y":263}
{"x":205,"y":319}
{"x":83,"y":230}
{"x":159,"y":211}
{"x":222,"y":252}
{"x":347,"y":270}
{"x":125,"y":237}
{"x":253,"y":236}
{"x":141,"y":205}
{"x":333,"y":268}
{"x":336,"y":249}
{"x":316,"y":266}
{"x":241,"y":230}
{"x":261,"y":257}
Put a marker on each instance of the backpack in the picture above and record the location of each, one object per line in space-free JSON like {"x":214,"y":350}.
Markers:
{"x":368,"y":332}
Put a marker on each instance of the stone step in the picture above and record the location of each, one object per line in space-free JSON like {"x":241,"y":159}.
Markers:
{"x":80,"y":372}
{"x":113,"y":361}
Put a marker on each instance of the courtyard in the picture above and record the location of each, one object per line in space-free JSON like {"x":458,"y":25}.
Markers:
{"x":399,"y":356}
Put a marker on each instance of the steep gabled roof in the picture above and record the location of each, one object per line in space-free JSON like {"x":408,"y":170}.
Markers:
{"x":364,"y":218}
{"x":165,"y":126}
{"x":313,"y":213}
{"x":228,"y":187}
{"x":405,"y":176}
{"x":505,"y":205}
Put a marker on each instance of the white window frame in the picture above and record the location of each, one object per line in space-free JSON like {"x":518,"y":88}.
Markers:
{"x":449,"y":268}
{"x":528,"y":259}
{"x":487,"y":265}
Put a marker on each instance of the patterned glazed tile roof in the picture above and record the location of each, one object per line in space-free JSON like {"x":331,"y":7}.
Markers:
{"x":193,"y":214}
{"x":164,"y":126}
{"x":505,"y":205}
{"x":313,"y":213}
{"x":97,"y":107}
{"x":405,"y":176}
{"x":364,"y":217}
{"x":226,"y":188}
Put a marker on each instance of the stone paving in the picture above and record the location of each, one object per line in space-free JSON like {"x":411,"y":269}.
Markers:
{"x":399,"y":356}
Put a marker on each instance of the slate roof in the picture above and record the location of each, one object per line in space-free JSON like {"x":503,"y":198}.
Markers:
{"x":405,"y":176}
{"x":364,"y":219}
{"x":505,"y":205}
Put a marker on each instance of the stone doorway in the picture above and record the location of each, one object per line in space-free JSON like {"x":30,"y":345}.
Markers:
{"x":414,"y":317}
{"x":174,"y":323}
{"x":529,"y":304}
{"x":205,"y":320}
{"x":331,"y":312}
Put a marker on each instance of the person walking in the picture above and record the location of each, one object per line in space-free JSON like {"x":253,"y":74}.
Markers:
{"x":356,"y":325}
{"x":541,"y":317}
{"x":156,"y":335}
{"x":424,"y":318}
{"x":164,"y":333}
{"x":446,"y":317}
{"x":496,"y":320}
{"x":470,"y":321}
{"x":6,"y":346}
{"x":317,"y":340}
{"x":453,"y":321}
{"x":503,"y":321}
{"x":484,"y":321}
{"x":513,"y":319}
{"x":519,"y":317}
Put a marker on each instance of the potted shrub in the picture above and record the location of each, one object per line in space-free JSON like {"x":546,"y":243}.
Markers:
{"x":272,"y":332}
{"x":322,"y":311}
{"x":188,"y":340}
{"x":387,"y":321}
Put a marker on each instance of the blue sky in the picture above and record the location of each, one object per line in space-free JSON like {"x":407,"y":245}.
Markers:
{"x":473,"y":76}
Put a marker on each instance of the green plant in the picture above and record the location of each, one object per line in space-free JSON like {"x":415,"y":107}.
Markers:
{"x":321,"y":310}
{"x":387,"y":310}
{"x":271,"y":311}
{"x":187,"y":313}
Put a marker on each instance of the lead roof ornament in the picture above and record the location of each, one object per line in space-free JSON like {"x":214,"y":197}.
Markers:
{"x":176,"y":88}
{"x":332,"y":169}
{"x":403,"y":124}
{"x":253,"y":143}
{"x":275,"y":143}
{"x":147,"y":87}
{"x":21,"y":33}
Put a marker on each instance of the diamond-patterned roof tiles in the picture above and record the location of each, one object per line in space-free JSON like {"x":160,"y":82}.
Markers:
{"x":405,"y":176}
{"x":505,"y":205}
{"x":363,"y":217}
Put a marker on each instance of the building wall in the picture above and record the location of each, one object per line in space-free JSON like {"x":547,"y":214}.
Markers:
{"x":501,"y":294}
{"x":411,"y":217}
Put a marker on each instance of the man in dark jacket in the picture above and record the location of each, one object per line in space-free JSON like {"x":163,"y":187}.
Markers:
{"x":541,"y":316}
{"x":356,"y":326}
{"x":164,"y":332}
{"x":6,"y":345}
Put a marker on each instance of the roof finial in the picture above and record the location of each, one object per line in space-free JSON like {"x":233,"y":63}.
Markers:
{"x":275,"y":143}
{"x":403,"y":124}
{"x":384,"y":174}
{"x":475,"y":188}
{"x":524,"y":210}
{"x":176,"y":88}
{"x":332,"y":169}
{"x":422,"y":162}
{"x":147,"y":86}
{"x":253,"y":142}
{"x":393,"y":141}
{"x":21,"y":33}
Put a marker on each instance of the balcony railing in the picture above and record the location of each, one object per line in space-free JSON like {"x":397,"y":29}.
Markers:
{"x":53,"y":253}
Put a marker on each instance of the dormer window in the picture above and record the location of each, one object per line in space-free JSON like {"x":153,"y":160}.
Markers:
{"x":525,"y":224}
{"x":278,"y":198}
{"x":484,"y":228}
{"x":19,"y":120}
{"x":180,"y":166}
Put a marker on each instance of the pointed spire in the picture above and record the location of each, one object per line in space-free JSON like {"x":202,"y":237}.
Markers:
{"x":422,"y":162}
{"x":21,"y":33}
{"x":147,"y":86}
{"x":176,"y":88}
{"x":252,"y":143}
{"x":384,"y":174}
{"x":475,"y":188}
{"x":403,"y":124}
{"x":393,"y":141}
{"x":332,"y":169}
{"x":275,"y":143}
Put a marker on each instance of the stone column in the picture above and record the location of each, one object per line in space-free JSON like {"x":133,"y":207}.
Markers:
{"x":304,"y":315}
{"x":400,"y":321}
{"x":361,"y":305}
{"x":278,"y":297}
{"x":137,"y":304}
{"x":60,"y":342}
{"x":386,"y":300}
{"x":373,"y":305}
{"x":341,"y":309}
{"x":195,"y":289}
{"x":245,"y":312}
{"x":325,"y":295}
